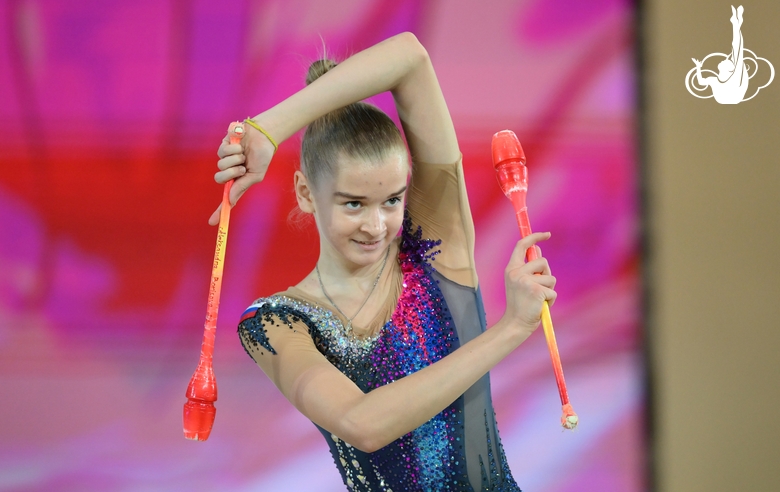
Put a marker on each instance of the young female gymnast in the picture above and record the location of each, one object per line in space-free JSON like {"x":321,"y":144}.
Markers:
{"x":383,"y":344}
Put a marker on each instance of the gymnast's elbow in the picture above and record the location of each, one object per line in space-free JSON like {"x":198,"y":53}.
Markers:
{"x":365,"y":434}
{"x":412,"y":48}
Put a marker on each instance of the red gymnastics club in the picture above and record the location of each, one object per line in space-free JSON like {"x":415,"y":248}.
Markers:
{"x":199,"y":411}
{"x":509,"y":162}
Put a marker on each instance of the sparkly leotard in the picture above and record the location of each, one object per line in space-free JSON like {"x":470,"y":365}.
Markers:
{"x":458,"y":449}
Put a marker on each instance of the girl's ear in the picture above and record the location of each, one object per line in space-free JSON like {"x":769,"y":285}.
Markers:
{"x":303,"y":193}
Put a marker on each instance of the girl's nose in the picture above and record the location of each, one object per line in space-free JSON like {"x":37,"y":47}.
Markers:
{"x":374,"y":223}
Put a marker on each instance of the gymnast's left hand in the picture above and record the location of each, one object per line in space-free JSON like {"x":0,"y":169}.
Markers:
{"x":245,"y":163}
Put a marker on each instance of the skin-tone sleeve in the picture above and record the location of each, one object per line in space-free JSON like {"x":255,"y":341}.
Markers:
{"x":437,"y":201}
{"x":282,"y":349}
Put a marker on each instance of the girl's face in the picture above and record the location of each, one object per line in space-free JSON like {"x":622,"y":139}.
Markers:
{"x":360,"y":211}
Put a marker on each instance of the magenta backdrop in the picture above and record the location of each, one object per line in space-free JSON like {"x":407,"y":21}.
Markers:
{"x":110,"y":115}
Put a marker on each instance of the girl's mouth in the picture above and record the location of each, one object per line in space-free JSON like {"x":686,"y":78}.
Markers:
{"x":367,"y":245}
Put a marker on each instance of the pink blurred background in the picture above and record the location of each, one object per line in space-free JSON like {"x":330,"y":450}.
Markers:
{"x":110,"y":116}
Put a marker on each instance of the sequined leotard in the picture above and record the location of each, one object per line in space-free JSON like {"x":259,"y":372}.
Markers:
{"x":457,"y":450}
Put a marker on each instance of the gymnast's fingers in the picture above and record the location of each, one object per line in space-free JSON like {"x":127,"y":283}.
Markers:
{"x":548,"y":281}
{"x":231,"y":160}
{"x":230,"y":173}
{"x":214,"y":219}
{"x":539,"y":266}
{"x":550,"y":296}
{"x":228,"y":149}
{"x":518,"y":255}
{"x":240,"y":186}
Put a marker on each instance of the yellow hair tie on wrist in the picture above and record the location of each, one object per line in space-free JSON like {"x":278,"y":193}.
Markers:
{"x":253,"y":123}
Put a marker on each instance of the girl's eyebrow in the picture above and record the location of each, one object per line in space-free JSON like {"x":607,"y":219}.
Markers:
{"x":398,"y":192}
{"x":350,"y":196}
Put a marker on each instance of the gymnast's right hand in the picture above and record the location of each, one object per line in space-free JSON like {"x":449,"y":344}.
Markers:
{"x":246,"y":163}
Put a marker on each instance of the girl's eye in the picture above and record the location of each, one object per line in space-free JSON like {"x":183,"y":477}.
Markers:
{"x":352,"y":205}
{"x":394,"y":201}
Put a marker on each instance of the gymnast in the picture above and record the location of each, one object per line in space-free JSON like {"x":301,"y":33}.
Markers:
{"x":383,"y":345}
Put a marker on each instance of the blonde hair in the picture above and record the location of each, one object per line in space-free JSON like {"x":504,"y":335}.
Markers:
{"x":359,"y":130}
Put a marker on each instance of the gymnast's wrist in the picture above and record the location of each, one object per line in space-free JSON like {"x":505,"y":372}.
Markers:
{"x":513,"y":330}
{"x":266,"y":127}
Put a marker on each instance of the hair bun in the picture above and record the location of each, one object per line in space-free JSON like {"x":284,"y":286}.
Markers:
{"x":318,"y":68}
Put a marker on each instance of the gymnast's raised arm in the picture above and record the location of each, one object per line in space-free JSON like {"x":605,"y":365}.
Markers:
{"x":399,"y":64}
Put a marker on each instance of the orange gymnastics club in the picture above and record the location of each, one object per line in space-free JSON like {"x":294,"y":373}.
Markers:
{"x":199,"y":411}
{"x":509,"y":162}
